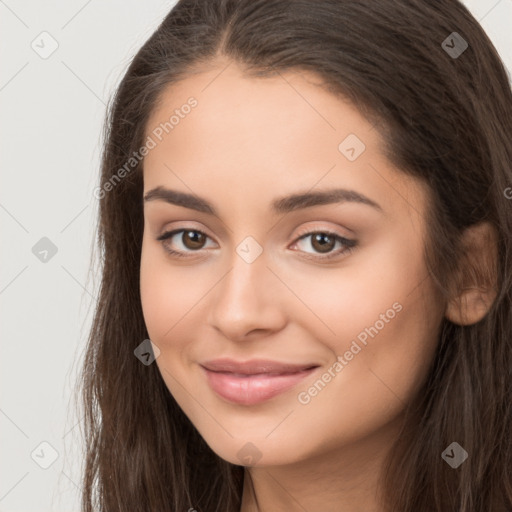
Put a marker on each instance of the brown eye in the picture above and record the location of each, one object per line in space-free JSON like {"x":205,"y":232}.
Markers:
{"x":193,"y":239}
{"x":323,"y":242}
{"x":190,"y":241}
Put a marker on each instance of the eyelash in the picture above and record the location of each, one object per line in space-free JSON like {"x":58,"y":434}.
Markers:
{"x":349,"y":245}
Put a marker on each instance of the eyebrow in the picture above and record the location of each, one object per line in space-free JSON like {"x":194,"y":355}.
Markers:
{"x":285,"y":204}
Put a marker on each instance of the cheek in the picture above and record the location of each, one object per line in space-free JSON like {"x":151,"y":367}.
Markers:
{"x":383,"y":361}
{"x":384,"y":340}
{"x":399,"y":340}
{"x":332,"y":308}
{"x":174,"y":304}
{"x":167,"y":292}
{"x":379,"y":313}
{"x":168,"y":297}
{"x":340,"y":302}
{"x":158,"y":301}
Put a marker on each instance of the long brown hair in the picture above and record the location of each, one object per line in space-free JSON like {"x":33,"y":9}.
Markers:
{"x":446,"y":119}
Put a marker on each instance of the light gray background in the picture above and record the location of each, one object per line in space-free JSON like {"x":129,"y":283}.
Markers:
{"x":52,"y":112}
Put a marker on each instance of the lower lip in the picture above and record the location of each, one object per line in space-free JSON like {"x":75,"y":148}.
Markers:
{"x":252,"y":389}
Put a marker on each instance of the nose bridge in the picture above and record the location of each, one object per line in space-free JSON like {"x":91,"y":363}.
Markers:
{"x":245,"y":299}
{"x":243,"y":285}
{"x":247,"y":261}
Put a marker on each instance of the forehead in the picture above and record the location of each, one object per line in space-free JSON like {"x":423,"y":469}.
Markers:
{"x":265,"y":137}
{"x":293,"y":103}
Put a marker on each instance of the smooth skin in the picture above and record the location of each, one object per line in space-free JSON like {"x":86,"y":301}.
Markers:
{"x":248,"y":142}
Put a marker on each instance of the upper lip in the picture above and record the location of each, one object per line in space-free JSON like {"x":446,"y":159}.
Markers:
{"x":255,"y":366}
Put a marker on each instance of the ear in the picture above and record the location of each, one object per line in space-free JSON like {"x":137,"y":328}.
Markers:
{"x":475,"y":283}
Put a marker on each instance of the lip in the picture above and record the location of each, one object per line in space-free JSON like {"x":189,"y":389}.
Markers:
{"x":255,"y":381}
{"x":254,"y":366}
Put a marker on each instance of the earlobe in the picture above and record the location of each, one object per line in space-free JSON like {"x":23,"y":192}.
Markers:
{"x":470,"y":306}
{"x":475,"y":285}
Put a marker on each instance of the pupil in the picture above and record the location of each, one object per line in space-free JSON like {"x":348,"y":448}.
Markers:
{"x":195,"y":239}
{"x":324,"y":241}
{"x":321,"y":239}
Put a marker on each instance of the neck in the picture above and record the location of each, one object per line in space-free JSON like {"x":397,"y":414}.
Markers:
{"x":345,"y":479}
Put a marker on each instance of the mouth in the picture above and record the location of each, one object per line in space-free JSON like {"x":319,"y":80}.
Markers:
{"x":253,"y":382}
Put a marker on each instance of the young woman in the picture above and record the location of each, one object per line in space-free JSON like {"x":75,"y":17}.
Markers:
{"x":306,"y":235}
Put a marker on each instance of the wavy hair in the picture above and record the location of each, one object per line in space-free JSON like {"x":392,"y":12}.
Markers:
{"x":445,"y":120}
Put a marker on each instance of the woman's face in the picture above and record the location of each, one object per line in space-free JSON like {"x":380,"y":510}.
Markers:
{"x":272,"y":269}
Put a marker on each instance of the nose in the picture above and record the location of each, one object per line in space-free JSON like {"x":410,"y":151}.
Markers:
{"x":247,"y":300}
